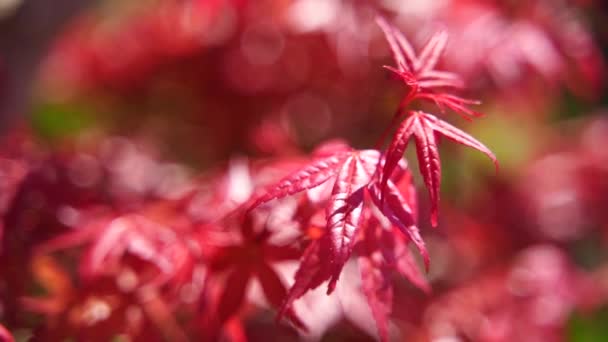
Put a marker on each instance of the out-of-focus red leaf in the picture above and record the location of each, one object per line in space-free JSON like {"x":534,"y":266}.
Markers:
{"x":232,"y":295}
{"x":248,"y":254}
{"x":113,"y":243}
{"x":377,"y":287}
{"x":281,"y":253}
{"x":5,"y":335}
{"x":313,"y":271}
{"x":134,"y":235}
{"x":399,"y":256}
{"x":381,"y":250}
{"x":161,"y":314}
{"x":275,"y":292}
{"x":235,"y":331}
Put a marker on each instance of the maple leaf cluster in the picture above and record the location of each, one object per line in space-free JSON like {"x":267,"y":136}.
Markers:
{"x":357,"y":201}
{"x":143,"y":222}
{"x":361,"y":187}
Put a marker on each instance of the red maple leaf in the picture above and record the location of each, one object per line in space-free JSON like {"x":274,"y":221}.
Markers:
{"x":418,"y":71}
{"x":351,"y":223}
{"x":426,"y":84}
{"x":249,"y":257}
{"x":382,"y":252}
{"x":351,"y":171}
{"x":425,"y":127}
{"x":112,"y":243}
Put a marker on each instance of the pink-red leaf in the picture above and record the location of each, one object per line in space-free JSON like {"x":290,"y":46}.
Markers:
{"x":432,"y":50}
{"x":306,"y":178}
{"x":275,"y":292}
{"x":440,"y":79}
{"x":312,"y":272}
{"x":330,"y":148}
{"x":424,"y":127}
{"x":460,"y":137}
{"x":402,"y":50}
{"x":377,"y":287}
{"x":399,"y":213}
{"x":344,"y":213}
{"x":397,"y":147}
{"x":233,"y":295}
{"x":399,"y":256}
{"x":131,"y":234}
{"x":419,"y":72}
{"x":455,"y":103}
{"x":405,"y":185}
{"x":429,"y":164}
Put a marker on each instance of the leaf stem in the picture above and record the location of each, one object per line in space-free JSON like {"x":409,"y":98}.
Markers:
{"x":398,"y":114}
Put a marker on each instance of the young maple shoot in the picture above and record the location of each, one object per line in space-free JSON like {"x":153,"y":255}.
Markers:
{"x":371,"y":207}
{"x":425,"y":83}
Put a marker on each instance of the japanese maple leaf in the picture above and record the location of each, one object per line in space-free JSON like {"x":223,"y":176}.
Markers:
{"x":382,"y":252}
{"x":418,"y":71}
{"x":387,"y":244}
{"x":425,"y":128}
{"x":250,"y":257}
{"x":353,"y":174}
{"x":351,"y":171}
{"x":129,"y":239}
